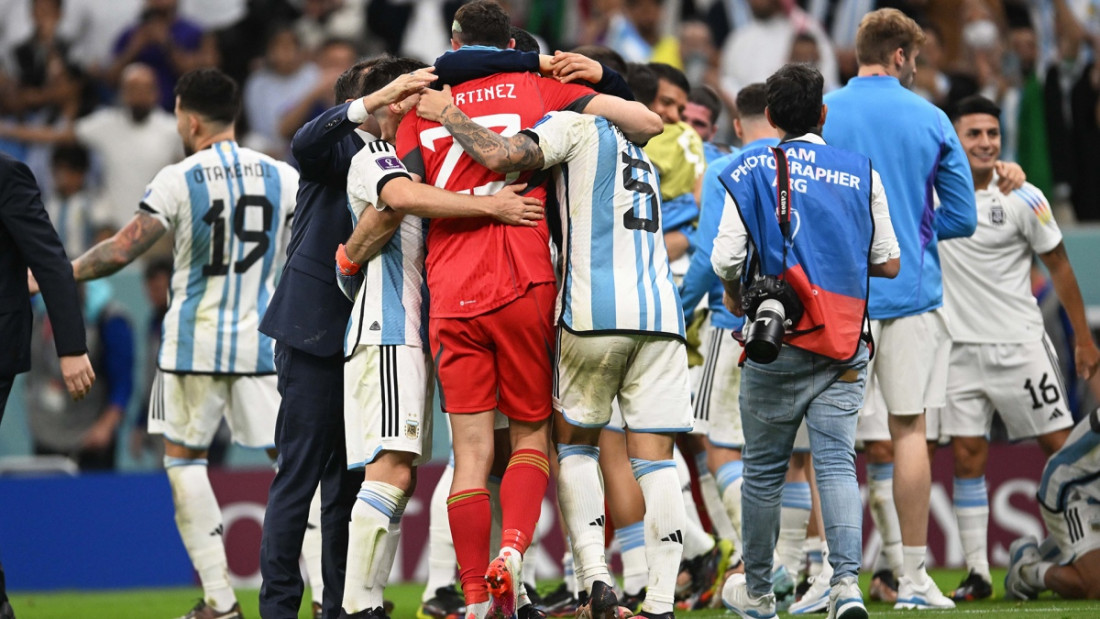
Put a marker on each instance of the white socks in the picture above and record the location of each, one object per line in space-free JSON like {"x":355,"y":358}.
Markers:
{"x":971,"y":500}
{"x":880,"y":492}
{"x":311,"y":549}
{"x":794,"y":517}
{"x":729,"y":478}
{"x":1035,"y":575}
{"x":814,"y":557}
{"x":712,"y":501}
{"x":665,"y":520}
{"x":199,"y":520}
{"x":441,"y":549}
{"x":913,"y":563}
{"x":631,"y":540}
{"x":581,"y":498}
{"x":371,"y":546}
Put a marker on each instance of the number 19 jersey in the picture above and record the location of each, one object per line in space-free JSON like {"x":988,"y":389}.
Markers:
{"x":616,"y":276}
{"x":228,"y":208}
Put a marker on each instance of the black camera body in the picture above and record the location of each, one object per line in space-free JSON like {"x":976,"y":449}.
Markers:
{"x":771,"y":307}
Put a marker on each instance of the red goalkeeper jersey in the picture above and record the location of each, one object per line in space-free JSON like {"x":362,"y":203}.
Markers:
{"x":477,"y":265}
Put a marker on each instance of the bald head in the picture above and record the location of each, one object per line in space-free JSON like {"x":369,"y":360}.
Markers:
{"x":139,"y":90}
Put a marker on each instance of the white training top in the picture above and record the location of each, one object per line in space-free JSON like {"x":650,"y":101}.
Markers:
{"x":229,"y":208}
{"x":615,"y":277}
{"x":987,"y":295}
{"x":392,"y":306}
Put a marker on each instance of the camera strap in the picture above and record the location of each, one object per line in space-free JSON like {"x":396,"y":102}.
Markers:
{"x":783,"y":199}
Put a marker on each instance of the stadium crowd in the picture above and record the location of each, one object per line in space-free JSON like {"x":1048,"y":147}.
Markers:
{"x":563,"y":344}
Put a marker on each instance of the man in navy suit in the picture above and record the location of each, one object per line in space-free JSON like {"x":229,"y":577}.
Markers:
{"x":27,"y":239}
{"x":307,"y":317}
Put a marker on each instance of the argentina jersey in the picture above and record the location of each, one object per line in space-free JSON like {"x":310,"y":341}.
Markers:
{"x":229,"y":209}
{"x":1075,"y":466}
{"x":392,"y":305}
{"x":616,"y":276}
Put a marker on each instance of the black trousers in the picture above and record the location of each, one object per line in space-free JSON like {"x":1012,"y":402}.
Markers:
{"x":309,"y":435}
{"x":6,"y":383}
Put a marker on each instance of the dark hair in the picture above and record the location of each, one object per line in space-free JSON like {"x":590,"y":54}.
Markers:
{"x":794,"y":98}
{"x":705,"y":96}
{"x":642,"y":80}
{"x":525,"y":41}
{"x":482,"y":22}
{"x":603,"y":55}
{"x":671,"y":75}
{"x":387,"y":70}
{"x":350,"y":83}
{"x":157,"y":266}
{"x":974,"y":104}
{"x":211,"y":94}
{"x":72,"y":156}
{"x":751,"y":100}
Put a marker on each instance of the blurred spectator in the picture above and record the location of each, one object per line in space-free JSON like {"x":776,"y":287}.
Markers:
{"x":634,"y":29}
{"x":760,"y":47}
{"x":283,"y":81}
{"x":83,"y":430}
{"x":930,"y":81}
{"x":15,"y":27}
{"x":212,"y":15}
{"x":92,"y":27}
{"x":702,"y":111}
{"x":32,"y":57}
{"x":74,"y":205}
{"x":333,"y":58}
{"x":697,"y":51}
{"x":1024,"y":123}
{"x":162,"y":40}
{"x":418,"y":29}
{"x":132,"y":141}
{"x":158,"y":280}
{"x":323,"y":20}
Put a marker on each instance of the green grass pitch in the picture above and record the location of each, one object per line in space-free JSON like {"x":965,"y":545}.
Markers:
{"x":166,"y":603}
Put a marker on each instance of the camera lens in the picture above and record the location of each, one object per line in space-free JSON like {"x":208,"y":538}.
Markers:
{"x":764,"y":336}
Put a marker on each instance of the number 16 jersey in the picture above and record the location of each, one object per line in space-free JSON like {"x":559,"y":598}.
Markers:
{"x":228,"y":208}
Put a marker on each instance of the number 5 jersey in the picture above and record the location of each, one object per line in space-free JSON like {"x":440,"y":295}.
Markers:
{"x":229,"y":209}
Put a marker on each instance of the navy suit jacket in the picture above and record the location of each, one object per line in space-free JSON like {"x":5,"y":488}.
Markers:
{"x":308,"y":311}
{"x":27,"y":238}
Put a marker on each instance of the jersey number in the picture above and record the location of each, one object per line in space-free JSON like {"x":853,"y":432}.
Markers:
{"x":639,"y":186}
{"x":218,"y":264}
{"x":1048,"y":391}
{"x":509,"y":125}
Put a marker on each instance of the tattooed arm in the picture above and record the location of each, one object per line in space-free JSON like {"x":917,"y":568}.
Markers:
{"x":120,"y":250}
{"x":490,"y":149}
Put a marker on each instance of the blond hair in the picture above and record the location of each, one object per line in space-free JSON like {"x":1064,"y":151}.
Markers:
{"x":883,"y":32}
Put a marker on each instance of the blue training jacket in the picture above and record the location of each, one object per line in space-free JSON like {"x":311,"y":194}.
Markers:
{"x":913,"y":147}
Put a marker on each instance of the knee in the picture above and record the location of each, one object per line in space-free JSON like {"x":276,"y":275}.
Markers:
{"x":880,"y":452}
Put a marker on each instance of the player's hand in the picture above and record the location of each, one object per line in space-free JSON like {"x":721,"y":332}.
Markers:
{"x":1087,"y":358}
{"x":405,"y":85}
{"x":32,"y":283}
{"x":516,"y":210}
{"x":77,"y":370}
{"x":348,"y":276}
{"x":569,"y":67}
{"x":1011,"y":175}
{"x":433,"y":102}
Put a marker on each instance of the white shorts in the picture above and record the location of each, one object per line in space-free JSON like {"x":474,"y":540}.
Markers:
{"x":1076,"y":529}
{"x":388,"y":403}
{"x":188,"y":408}
{"x":717,"y":400}
{"x":648,"y":374}
{"x":1022,"y":382}
{"x":908,"y":373}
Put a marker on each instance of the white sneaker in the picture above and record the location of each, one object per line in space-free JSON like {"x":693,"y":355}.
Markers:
{"x":846,"y":600}
{"x":1022,"y":553}
{"x":735,"y":596}
{"x":924,"y":596}
{"x":816,"y":598}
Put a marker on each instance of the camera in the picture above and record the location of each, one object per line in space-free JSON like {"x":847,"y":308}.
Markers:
{"x":771,"y":307}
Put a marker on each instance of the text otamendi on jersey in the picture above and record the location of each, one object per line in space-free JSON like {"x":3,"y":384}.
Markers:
{"x":237,"y":170}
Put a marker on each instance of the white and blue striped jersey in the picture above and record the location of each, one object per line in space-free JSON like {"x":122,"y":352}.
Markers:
{"x":229,"y":209}
{"x":392,"y":306}
{"x":1076,"y":466}
{"x":615,"y":273}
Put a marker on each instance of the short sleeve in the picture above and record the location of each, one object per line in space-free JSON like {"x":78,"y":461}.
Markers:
{"x":165,"y":196}
{"x":374,"y":166}
{"x":560,"y":136}
{"x":1036,"y":219}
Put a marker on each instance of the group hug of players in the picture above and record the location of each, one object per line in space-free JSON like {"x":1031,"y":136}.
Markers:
{"x":561,"y":347}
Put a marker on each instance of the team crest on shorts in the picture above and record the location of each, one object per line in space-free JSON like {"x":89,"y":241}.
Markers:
{"x":412,"y":429}
{"x":997,"y":215}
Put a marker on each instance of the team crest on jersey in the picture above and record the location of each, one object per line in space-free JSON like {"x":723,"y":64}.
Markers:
{"x":389,"y":163}
{"x":412,"y":429}
{"x":997,"y":215}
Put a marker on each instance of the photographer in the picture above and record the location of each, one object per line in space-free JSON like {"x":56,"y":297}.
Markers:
{"x":795,"y":248}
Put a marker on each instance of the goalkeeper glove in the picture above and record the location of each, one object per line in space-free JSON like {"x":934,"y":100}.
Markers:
{"x":348,"y":276}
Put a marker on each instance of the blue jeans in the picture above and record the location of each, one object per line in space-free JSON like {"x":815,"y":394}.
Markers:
{"x":774,"y":399}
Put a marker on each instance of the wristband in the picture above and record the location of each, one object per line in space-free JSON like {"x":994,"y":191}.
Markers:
{"x":345,"y":264}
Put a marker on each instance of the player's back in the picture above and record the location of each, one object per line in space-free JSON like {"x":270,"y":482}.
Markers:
{"x":476,"y":265}
{"x":229,"y":208}
{"x":616,"y":271}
